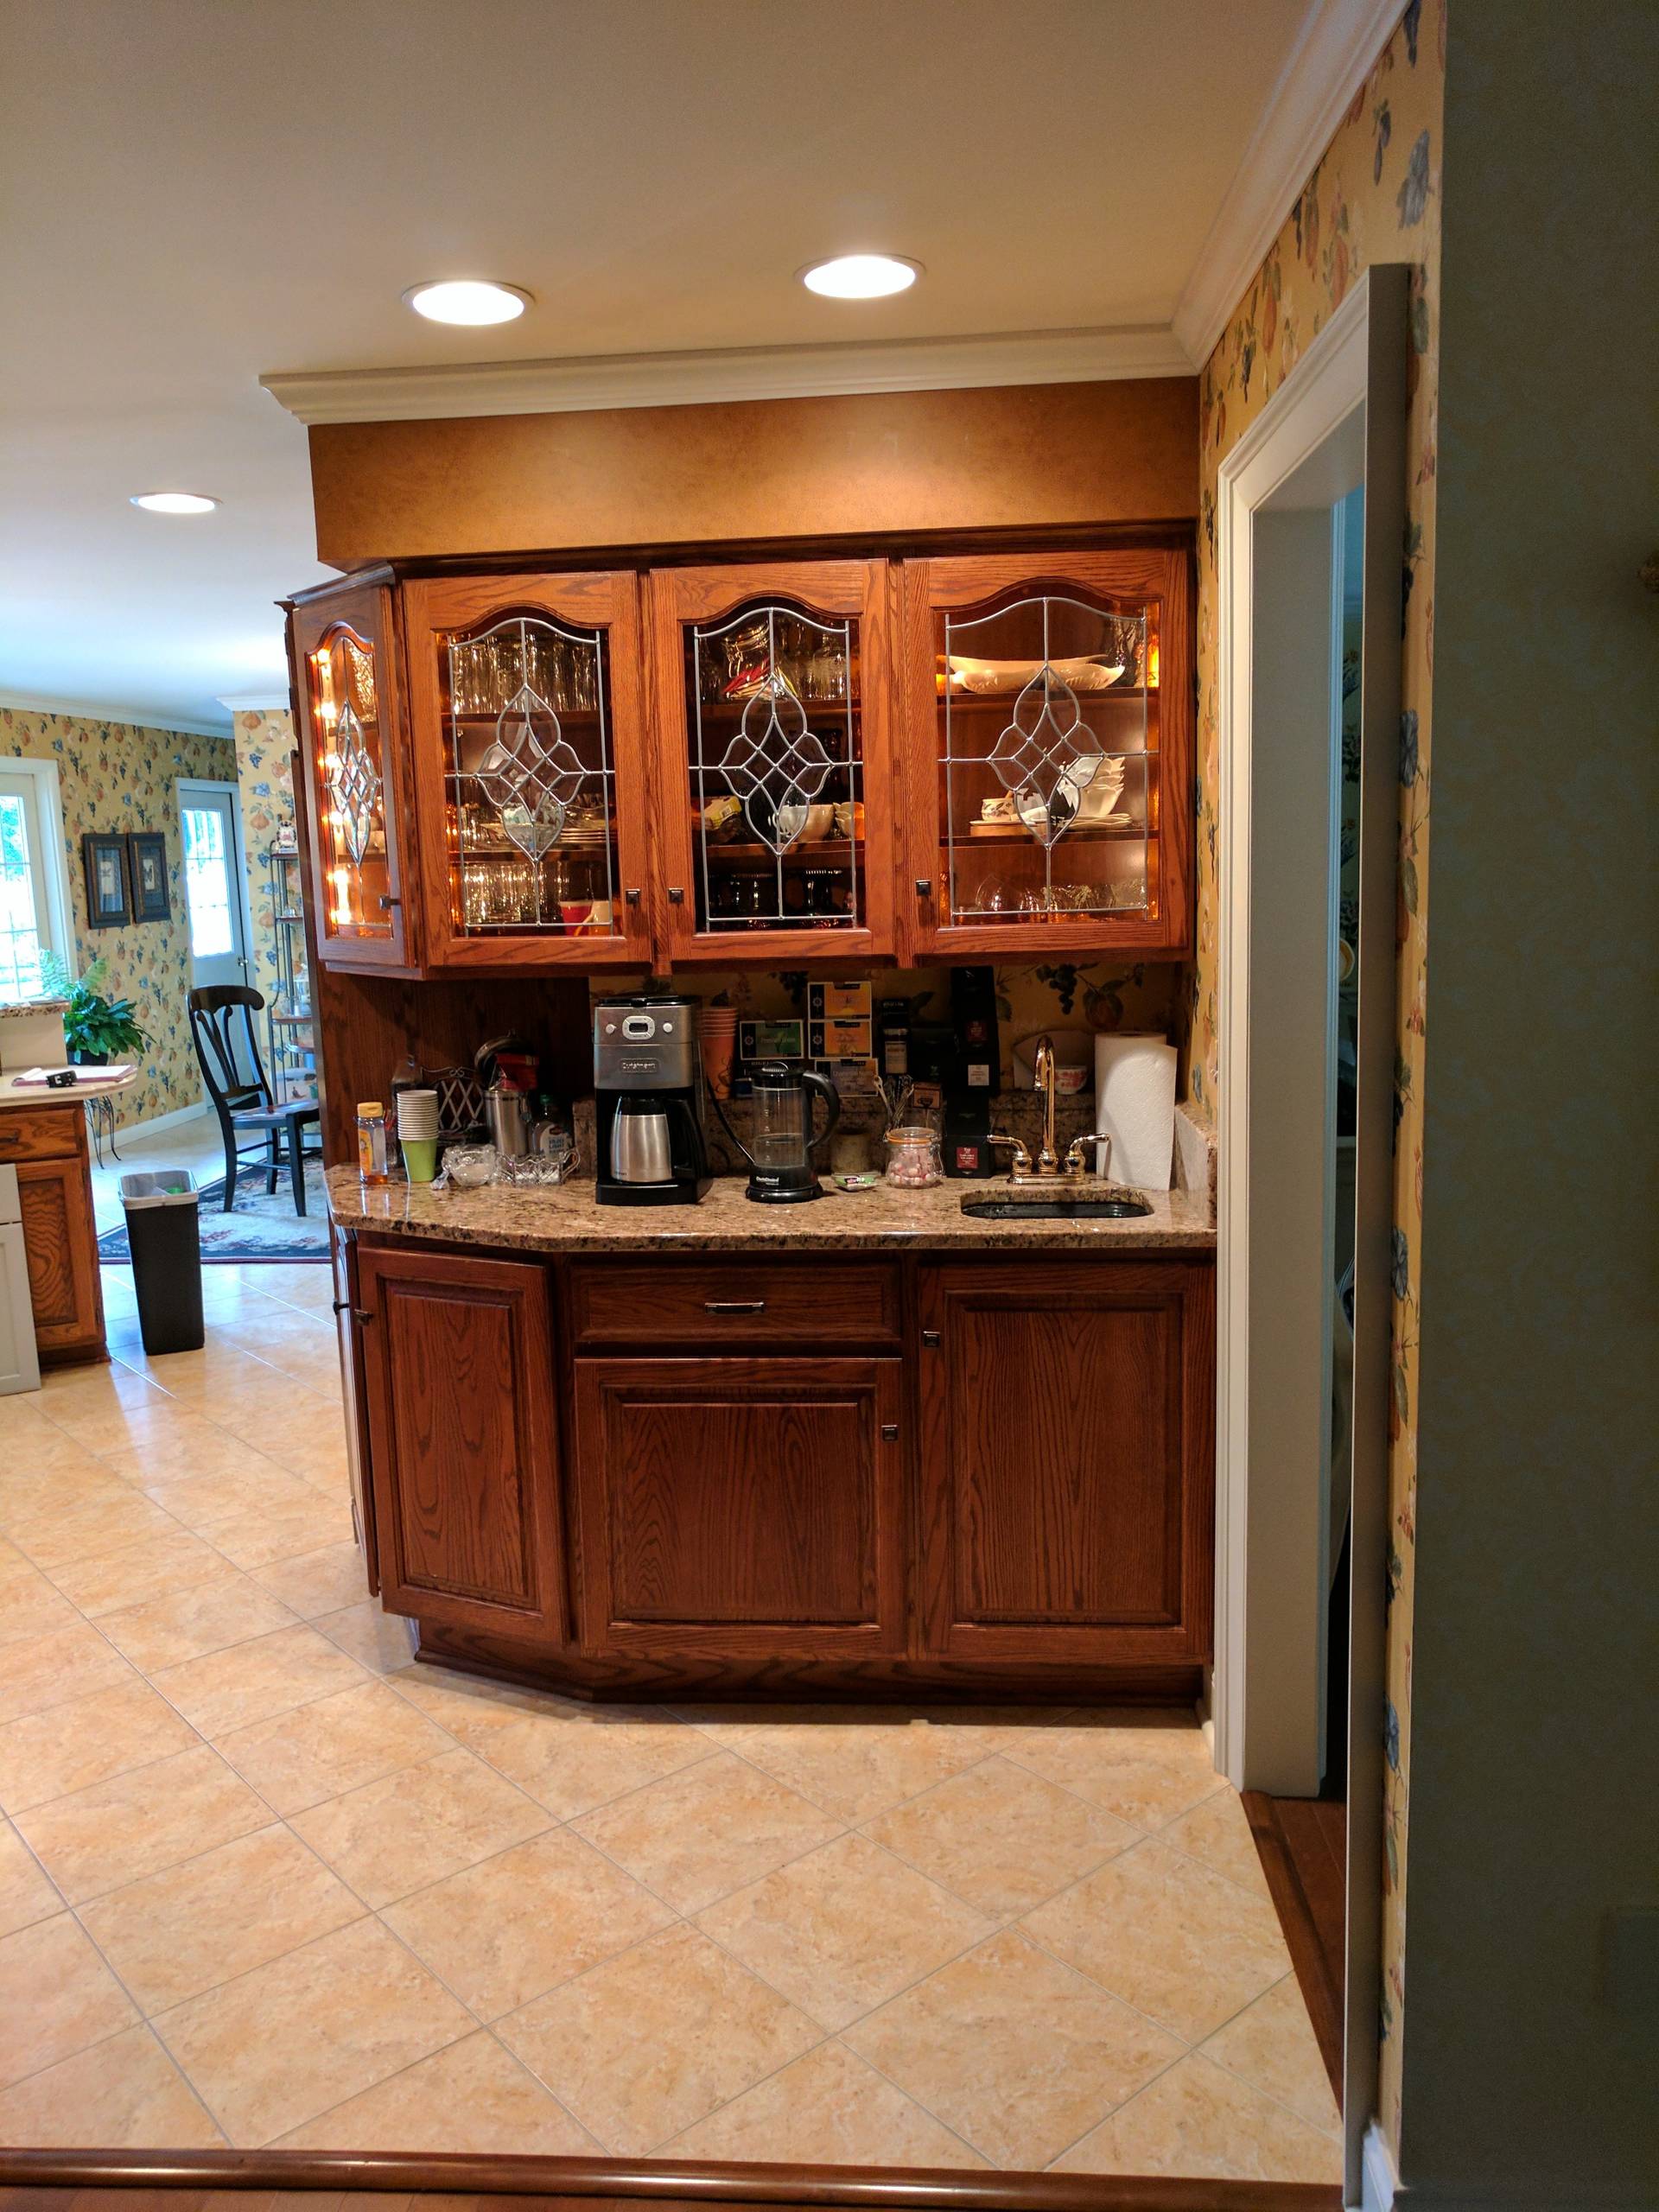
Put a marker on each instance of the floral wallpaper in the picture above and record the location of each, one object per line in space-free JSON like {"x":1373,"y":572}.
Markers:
{"x":118,"y":776}
{"x":1375,"y":195}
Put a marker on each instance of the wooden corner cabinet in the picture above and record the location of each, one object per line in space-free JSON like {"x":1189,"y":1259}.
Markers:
{"x":779,"y":762}
{"x":348,"y":713}
{"x":728,"y":1473}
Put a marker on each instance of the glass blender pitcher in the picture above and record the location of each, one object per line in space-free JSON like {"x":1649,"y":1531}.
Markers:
{"x":781,"y":1143}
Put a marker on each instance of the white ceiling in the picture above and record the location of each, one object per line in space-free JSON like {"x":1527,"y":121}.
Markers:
{"x":198,"y":192}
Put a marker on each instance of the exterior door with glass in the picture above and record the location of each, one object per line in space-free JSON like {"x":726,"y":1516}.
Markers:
{"x":210,"y":829}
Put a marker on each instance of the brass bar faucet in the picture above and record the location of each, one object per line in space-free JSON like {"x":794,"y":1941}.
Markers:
{"x":1049,"y":1167}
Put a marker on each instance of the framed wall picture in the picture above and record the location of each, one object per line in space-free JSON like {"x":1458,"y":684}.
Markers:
{"x":147,"y":872}
{"x":108,"y":901}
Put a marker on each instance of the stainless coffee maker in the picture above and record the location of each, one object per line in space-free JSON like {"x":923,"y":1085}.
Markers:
{"x":648,"y":1096}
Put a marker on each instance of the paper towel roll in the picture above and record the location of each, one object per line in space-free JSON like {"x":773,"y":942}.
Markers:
{"x":1134,"y":1105}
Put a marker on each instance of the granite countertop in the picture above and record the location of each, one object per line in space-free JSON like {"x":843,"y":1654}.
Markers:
{"x":568,"y":1220}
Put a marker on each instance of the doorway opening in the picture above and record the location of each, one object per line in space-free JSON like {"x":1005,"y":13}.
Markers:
{"x":1310,"y":521}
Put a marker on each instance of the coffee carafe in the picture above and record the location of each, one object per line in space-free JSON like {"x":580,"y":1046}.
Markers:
{"x":648,"y":1095}
{"x":781,"y":1142}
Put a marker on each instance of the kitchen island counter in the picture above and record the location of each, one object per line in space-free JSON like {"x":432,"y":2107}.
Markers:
{"x":883,"y":1219}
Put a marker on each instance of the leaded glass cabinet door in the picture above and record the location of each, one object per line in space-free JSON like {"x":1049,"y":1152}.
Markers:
{"x":1050,"y":759}
{"x":774,"y":780}
{"x":525,"y":694}
{"x":345,"y":694}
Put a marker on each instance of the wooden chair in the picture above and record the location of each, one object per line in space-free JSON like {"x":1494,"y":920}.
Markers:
{"x":244,"y":1107}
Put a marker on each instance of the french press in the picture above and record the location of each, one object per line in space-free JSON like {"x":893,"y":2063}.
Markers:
{"x":781,"y":1143}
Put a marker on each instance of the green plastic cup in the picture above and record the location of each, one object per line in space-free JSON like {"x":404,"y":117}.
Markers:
{"x":420,"y":1158}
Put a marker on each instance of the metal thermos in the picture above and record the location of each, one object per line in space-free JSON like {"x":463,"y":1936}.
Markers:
{"x":509,"y":1117}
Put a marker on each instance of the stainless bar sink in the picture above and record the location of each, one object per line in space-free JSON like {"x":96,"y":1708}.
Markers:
{"x":1058,"y":1205}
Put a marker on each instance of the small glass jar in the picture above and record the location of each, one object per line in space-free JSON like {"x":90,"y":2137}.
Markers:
{"x":373,"y":1156}
{"x":914,"y":1160}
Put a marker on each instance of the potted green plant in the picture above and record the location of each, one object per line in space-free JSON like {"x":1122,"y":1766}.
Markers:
{"x":95,"y":1029}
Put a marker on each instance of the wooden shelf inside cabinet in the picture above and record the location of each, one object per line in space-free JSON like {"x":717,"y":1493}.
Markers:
{"x":1003,"y":703}
{"x":828,"y":853}
{"x":1094,"y":833}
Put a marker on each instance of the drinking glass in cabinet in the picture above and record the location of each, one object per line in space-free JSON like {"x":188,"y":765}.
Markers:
{"x":776,"y":788}
{"x":530,"y":797}
{"x":350,"y":777}
{"x":1047,"y":734}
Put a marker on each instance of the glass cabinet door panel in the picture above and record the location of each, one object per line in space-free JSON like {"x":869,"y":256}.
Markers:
{"x":1047,"y":739}
{"x":776,"y":761}
{"x":351,"y":797}
{"x":530,"y":779}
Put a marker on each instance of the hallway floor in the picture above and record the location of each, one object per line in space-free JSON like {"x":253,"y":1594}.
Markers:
{"x":262,"y":1881}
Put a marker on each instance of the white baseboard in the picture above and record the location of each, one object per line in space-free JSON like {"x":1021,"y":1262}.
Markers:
{"x":1378,"y":2180}
{"x":160,"y":1121}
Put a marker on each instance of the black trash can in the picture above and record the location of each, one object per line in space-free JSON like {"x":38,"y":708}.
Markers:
{"x":164,"y":1237}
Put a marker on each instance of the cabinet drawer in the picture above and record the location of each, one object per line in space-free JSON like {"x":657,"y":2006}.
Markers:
{"x":42,"y":1132}
{"x":738,"y":1300}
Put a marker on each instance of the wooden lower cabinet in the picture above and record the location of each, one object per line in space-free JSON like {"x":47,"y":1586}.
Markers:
{"x":1067,"y":1460}
{"x":742,"y":1509}
{"x":463,"y":1438}
{"x":1011,"y":1495}
{"x":61,"y":1245}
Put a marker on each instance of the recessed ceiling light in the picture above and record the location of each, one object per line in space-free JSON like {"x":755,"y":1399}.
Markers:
{"x":467,"y":300}
{"x":860,"y":276}
{"x":175,"y":502}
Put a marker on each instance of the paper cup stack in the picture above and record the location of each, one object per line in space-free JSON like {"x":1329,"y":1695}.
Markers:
{"x":717,"y":1030}
{"x":418,"y":1134}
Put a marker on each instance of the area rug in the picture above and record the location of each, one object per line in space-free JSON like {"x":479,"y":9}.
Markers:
{"x":261,"y":1228}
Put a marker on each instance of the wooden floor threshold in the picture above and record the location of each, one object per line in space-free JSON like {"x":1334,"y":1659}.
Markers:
{"x":215,"y":2181}
{"x":1302,"y":1843}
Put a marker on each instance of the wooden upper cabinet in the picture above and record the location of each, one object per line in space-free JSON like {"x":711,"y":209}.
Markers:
{"x":348,"y":700}
{"x":463,"y":1441}
{"x":526,"y":737}
{"x":1047,"y":708}
{"x":775,"y":815}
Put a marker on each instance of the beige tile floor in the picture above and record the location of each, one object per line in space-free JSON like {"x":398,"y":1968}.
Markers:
{"x":263,"y":1882}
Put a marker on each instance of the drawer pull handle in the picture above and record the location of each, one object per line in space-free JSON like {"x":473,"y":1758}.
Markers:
{"x":889,"y":1431}
{"x":733,"y":1305}
{"x":930,"y":1340}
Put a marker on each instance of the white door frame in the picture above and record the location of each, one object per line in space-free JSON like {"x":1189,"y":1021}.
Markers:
{"x":1342,"y":410}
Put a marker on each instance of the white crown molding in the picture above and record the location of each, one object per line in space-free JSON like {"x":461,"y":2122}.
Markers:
{"x":689,"y":379}
{"x":255,"y":702}
{"x":83,"y":710}
{"x":1337,"y":48}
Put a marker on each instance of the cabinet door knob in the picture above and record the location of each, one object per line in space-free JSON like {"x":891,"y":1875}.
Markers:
{"x":387,"y":902}
{"x":676,"y":894}
{"x":632,"y":894}
{"x":889,"y":1431}
{"x":924,"y":887}
{"x":361,"y":1313}
{"x":930,"y":1340}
